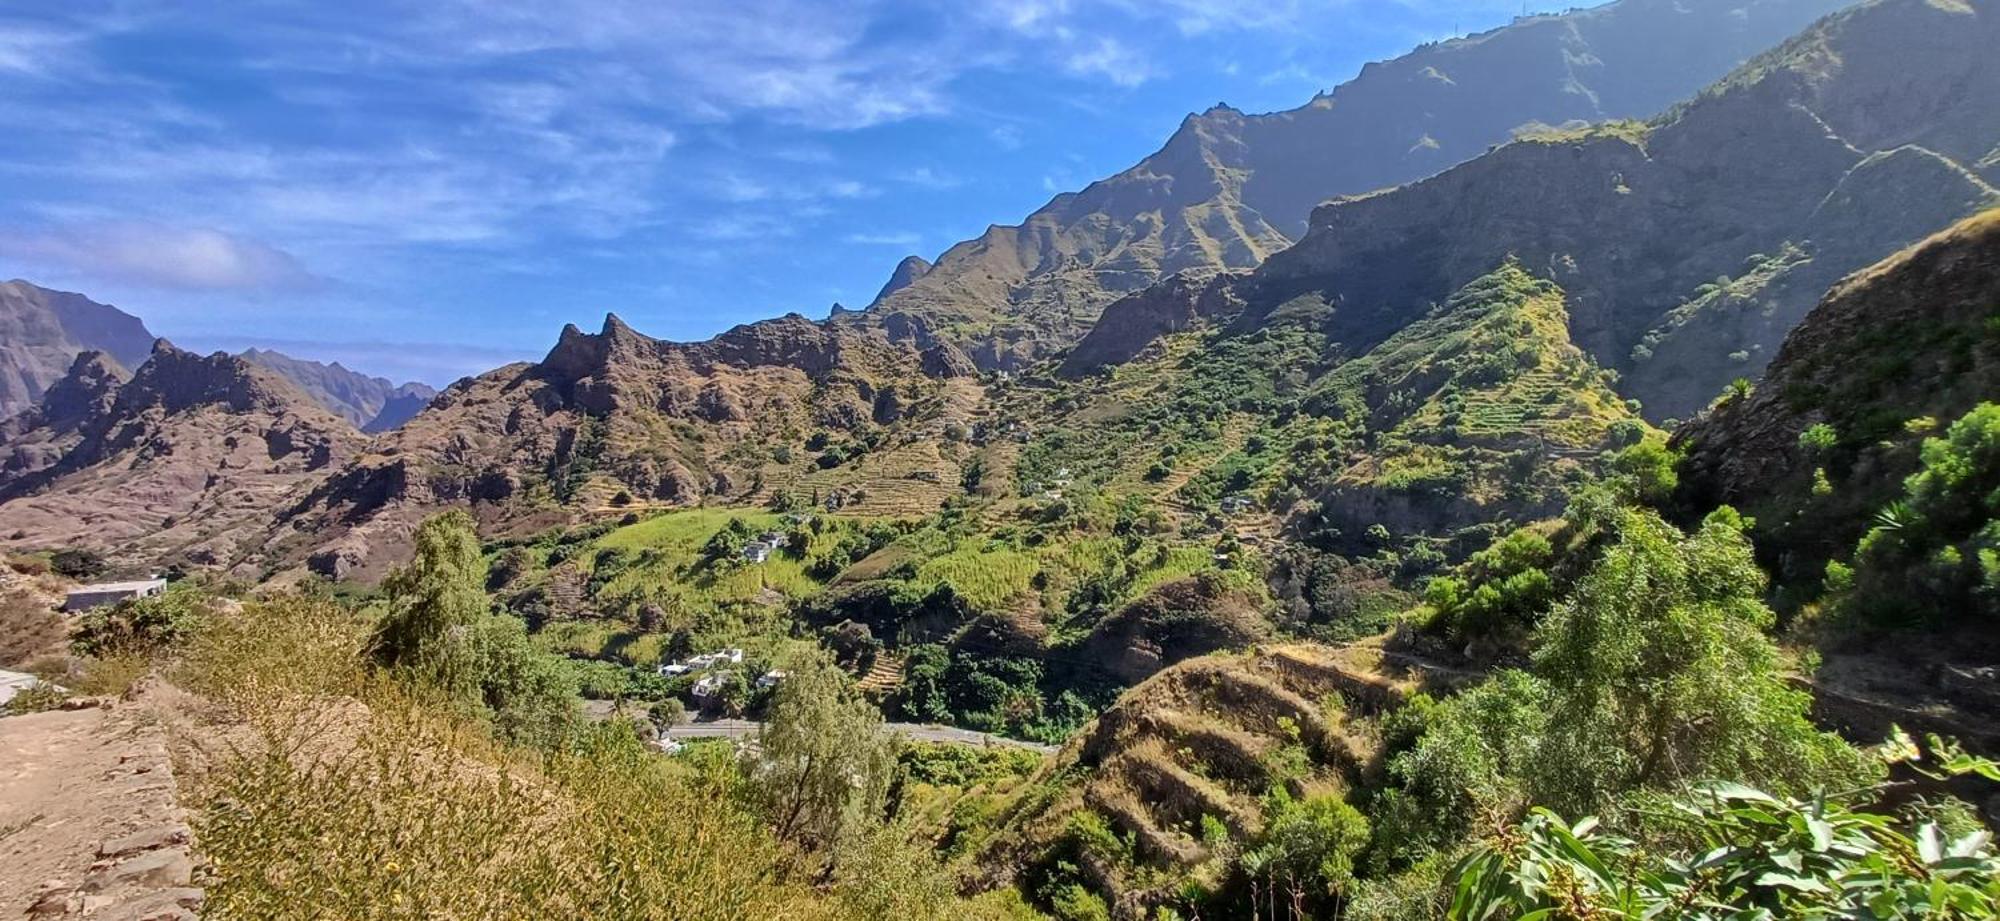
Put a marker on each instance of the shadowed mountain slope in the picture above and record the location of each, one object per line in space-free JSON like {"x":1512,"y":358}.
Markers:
{"x":372,"y":404}
{"x":1230,"y":189}
{"x":1688,"y":246}
{"x":42,"y":332}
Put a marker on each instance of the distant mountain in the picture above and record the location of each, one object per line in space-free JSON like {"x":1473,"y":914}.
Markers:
{"x":42,"y":332}
{"x":617,"y":420}
{"x":187,"y":459}
{"x":1687,"y":246}
{"x":372,"y":404}
{"x":1229,"y":190}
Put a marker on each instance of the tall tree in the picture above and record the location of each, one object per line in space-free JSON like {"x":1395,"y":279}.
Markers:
{"x":436,"y":603}
{"x":824,"y":767}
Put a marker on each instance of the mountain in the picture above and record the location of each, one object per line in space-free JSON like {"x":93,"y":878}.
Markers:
{"x":1910,"y":339}
{"x":372,"y":404}
{"x":1229,"y":189}
{"x":1688,"y":246}
{"x":1865,"y":458}
{"x":906,"y":274}
{"x":185,"y":460}
{"x":619,"y":420}
{"x":42,"y":332}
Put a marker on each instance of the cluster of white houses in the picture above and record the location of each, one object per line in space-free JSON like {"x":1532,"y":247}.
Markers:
{"x":767,"y":543}
{"x":709,"y":685}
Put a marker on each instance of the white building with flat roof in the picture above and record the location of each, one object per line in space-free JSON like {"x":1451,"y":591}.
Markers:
{"x":85,"y":597}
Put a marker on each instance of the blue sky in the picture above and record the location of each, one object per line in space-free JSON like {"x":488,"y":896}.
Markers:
{"x":431,"y":188}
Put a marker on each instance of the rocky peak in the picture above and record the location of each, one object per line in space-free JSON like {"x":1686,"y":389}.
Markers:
{"x":906,"y":274}
{"x":87,"y":391}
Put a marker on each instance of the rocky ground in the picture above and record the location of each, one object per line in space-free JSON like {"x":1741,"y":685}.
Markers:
{"x":89,"y":827}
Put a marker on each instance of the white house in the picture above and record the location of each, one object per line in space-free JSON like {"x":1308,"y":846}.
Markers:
{"x":708,"y":686}
{"x":712,"y":659}
{"x":672,"y":669}
{"x":85,"y":597}
{"x":777,"y":539}
{"x":1235,"y":505}
{"x":771,"y":678}
{"x":756,"y":551}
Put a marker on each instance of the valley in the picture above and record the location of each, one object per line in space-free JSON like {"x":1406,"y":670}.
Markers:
{"x":1475,"y":493}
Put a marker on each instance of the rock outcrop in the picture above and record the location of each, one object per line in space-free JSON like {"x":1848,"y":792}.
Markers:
{"x":620,"y":415}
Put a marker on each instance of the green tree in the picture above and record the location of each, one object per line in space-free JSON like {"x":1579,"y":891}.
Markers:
{"x":435,"y":602}
{"x":441,"y":633}
{"x":1311,"y":844}
{"x":1660,"y":672}
{"x":823,"y":769}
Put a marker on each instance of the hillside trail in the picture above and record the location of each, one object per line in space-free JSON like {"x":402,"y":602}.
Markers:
{"x":89,"y":826}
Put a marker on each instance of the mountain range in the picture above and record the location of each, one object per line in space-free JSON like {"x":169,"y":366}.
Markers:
{"x":43,"y":331}
{"x":1640,"y":265}
{"x":1229,"y":189}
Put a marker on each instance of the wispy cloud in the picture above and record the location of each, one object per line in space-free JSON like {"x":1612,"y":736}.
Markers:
{"x":906,"y":240}
{"x":1111,"y":59}
{"x":161,"y":256}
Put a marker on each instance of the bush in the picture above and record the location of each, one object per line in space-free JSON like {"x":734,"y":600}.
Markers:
{"x":77,"y":563}
{"x":139,"y":626}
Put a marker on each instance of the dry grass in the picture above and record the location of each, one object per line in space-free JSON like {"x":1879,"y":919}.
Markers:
{"x":322,"y":789}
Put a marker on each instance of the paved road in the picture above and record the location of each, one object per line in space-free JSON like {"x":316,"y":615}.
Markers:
{"x":739,"y":729}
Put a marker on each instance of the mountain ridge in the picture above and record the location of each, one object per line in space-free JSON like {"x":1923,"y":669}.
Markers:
{"x":1228,"y":189}
{"x":42,"y":330}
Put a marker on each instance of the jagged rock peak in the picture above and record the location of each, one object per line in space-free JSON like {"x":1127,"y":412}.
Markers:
{"x":616,"y":328}
{"x":88,"y":389}
{"x":906,"y":274}
{"x":177,"y":380}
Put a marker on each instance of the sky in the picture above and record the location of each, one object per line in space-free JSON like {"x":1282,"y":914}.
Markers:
{"x":431,"y":188}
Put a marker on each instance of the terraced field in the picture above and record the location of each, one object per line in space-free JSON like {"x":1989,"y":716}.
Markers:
{"x":1204,"y":741}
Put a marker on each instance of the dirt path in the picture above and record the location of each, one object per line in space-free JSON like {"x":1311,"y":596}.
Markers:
{"x":88,"y":823}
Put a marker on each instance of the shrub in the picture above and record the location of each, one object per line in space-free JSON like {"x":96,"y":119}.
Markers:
{"x":77,"y":563}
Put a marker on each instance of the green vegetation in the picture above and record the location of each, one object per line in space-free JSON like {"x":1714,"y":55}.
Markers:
{"x":1933,"y":555}
{"x":1738,"y":851}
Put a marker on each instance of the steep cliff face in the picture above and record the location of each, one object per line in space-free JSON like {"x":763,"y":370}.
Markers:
{"x":1228,"y":190}
{"x":42,"y":332}
{"x":616,"y":419}
{"x":1909,"y":339}
{"x":183,"y":461}
{"x":1687,"y":246}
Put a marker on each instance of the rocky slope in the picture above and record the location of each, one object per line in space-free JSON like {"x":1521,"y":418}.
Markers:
{"x":372,"y":404}
{"x":42,"y":331}
{"x":1688,"y":246}
{"x":1911,"y":338}
{"x":184,"y":461}
{"x":616,"y":419}
{"x":1230,"y":189}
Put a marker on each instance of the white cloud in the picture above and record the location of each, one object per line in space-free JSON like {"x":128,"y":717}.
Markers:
{"x":929,"y":178}
{"x":905,"y":240}
{"x":161,"y":256}
{"x":1111,"y":59}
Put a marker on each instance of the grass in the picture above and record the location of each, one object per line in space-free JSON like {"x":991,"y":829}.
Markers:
{"x":321,"y":788}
